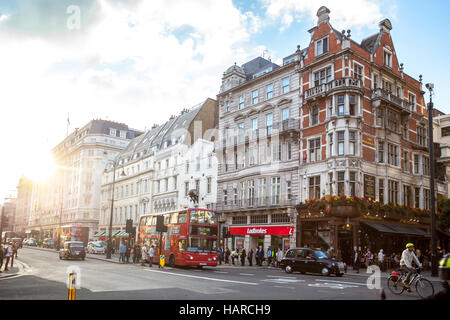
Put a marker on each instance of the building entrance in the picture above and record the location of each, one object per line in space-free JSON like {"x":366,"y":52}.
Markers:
{"x":345,"y":243}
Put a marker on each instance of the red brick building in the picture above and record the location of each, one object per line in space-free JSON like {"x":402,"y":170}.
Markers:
{"x":363,"y":134}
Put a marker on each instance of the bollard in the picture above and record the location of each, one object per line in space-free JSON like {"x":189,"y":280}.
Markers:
{"x":72,"y":287}
{"x":161,"y":261}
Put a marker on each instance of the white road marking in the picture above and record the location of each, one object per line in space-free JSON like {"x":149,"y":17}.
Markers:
{"x":247,"y":274}
{"x":220,"y":272}
{"x":283,"y":280}
{"x":354,"y":283}
{"x":204,"y":278}
{"x":284,"y":287}
{"x":279,"y":277}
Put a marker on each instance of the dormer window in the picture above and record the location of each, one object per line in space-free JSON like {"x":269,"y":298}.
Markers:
{"x":123,"y":134}
{"x":322,"y":46}
{"x":112,"y":132}
{"x":387,"y":59}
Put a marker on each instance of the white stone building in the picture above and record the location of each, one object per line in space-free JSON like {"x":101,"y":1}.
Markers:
{"x":75,"y":190}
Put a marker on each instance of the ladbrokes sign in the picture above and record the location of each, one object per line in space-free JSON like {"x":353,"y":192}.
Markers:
{"x":260,"y":230}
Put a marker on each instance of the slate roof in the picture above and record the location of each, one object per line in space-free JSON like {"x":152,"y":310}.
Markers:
{"x":371,"y":43}
{"x":156,"y":138}
{"x":257,"y":65}
{"x":103,"y":126}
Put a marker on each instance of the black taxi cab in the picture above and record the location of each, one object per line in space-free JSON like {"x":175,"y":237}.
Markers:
{"x":72,"y":250}
{"x":310,"y":260}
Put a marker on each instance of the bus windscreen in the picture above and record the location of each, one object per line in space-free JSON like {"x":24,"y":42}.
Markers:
{"x":203,"y":217}
{"x":197,"y":244}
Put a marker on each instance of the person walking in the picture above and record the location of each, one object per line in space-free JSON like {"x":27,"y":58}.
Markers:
{"x":269,"y":256}
{"x":233,"y":256}
{"x":144,"y":254}
{"x":122,"y":251}
{"x":368,"y":258}
{"x":381,"y":256}
{"x":250,"y":257}
{"x":260,"y":255}
{"x":8,"y":255}
{"x":15,"y":248}
{"x":243,"y":256}
{"x":127,"y":254}
{"x":227,"y":255}
{"x":220,"y":255}
{"x":356,"y":258}
{"x":2,"y":256}
{"x":151,"y":252}
{"x":279,"y":257}
{"x":134,"y":252}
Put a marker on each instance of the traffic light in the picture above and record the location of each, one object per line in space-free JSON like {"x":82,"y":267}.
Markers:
{"x":129,"y":226}
{"x":225,"y":232}
{"x":160,"y":227}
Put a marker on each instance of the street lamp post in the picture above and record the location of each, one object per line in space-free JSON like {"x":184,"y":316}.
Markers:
{"x":108,"y":250}
{"x":434,"y":268}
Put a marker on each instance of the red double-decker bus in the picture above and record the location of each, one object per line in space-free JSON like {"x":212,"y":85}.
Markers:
{"x":191,"y":238}
{"x":74,"y":232}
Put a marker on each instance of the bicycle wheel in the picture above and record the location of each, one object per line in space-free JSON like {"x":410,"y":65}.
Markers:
{"x":424,"y":288}
{"x":395,"y":286}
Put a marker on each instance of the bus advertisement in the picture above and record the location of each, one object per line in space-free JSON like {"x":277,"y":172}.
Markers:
{"x":191,"y":238}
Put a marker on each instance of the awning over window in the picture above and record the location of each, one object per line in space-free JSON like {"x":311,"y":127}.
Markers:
{"x":384,"y":228}
{"x":122,"y":234}
{"x":100,"y":233}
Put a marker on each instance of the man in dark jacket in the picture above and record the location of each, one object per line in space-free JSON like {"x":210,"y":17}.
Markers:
{"x":250,"y":257}
{"x":243,"y":256}
{"x":220,"y":255}
{"x":356,"y":257}
{"x":227,"y":255}
{"x":260,"y":255}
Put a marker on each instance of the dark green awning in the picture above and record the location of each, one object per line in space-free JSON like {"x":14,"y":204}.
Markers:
{"x":384,"y":228}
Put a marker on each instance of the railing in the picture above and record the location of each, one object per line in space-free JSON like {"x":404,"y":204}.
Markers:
{"x":323,"y":89}
{"x":254,"y":203}
{"x":380,"y":94}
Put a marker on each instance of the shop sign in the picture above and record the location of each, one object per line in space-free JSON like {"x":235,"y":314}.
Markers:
{"x":259,"y":230}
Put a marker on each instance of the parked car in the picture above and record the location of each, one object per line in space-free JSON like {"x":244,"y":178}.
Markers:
{"x":48,"y":243}
{"x":96,"y":247}
{"x":312,"y":261}
{"x":72,"y":250}
{"x":32,"y":242}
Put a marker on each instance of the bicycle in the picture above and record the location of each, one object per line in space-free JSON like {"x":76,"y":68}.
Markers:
{"x":423,"y":287}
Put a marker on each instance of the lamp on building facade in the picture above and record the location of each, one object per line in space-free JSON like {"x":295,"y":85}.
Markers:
{"x":434,"y":269}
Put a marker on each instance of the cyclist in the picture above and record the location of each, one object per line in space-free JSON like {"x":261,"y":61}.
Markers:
{"x":408,"y":256}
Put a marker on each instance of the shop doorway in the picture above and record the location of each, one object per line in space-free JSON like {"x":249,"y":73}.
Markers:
{"x":345,"y":243}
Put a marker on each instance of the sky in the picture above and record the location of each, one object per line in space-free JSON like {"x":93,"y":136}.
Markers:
{"x":138,"y":62}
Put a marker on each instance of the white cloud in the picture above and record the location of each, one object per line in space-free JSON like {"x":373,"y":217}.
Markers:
{"x":3,"y":17}
{"x":344,"y":13}
{"x":129,"y":66}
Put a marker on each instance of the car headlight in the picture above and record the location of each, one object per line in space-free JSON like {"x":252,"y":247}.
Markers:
{"x":214,"y":258}
{"x":192,"y":258}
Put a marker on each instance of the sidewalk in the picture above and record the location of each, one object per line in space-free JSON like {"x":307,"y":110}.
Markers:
{"x":14,"y":271}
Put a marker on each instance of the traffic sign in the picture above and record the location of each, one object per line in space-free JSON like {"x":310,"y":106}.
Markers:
{"x":162,"y":260}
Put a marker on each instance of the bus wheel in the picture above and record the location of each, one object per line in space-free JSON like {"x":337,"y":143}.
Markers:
{"x":172,"y":261}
